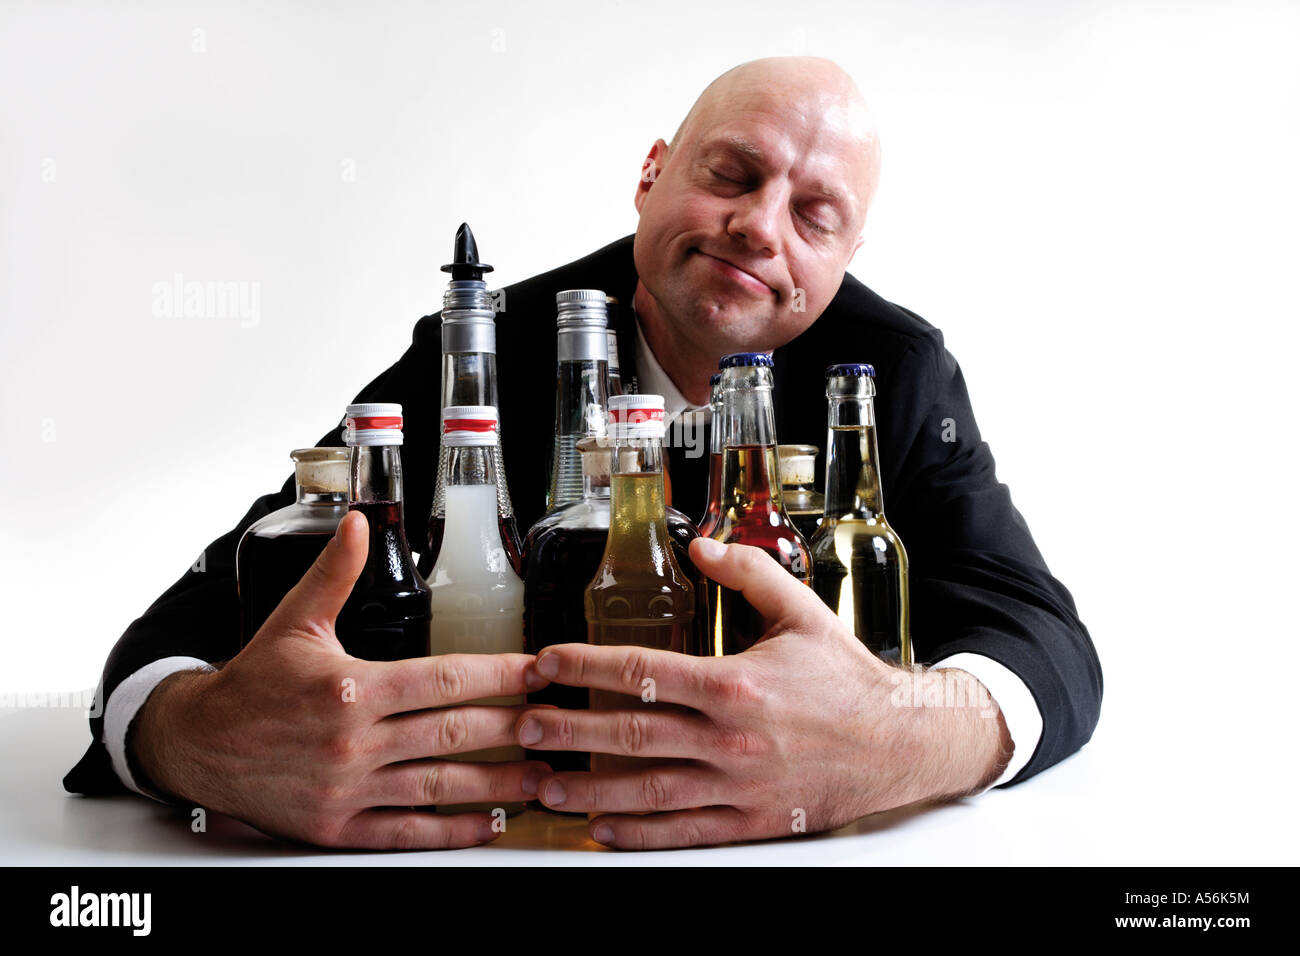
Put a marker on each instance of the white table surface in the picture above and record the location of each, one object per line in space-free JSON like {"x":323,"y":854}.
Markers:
{"x":1079,"y":812}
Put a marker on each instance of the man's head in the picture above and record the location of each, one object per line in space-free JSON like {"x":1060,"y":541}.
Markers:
{"x":750,"y":217}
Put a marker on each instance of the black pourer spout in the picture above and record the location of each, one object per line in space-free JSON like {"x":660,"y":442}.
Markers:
{"x":465,"y":264}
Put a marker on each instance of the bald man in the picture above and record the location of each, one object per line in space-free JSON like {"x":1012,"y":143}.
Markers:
{"x":748,"y":222}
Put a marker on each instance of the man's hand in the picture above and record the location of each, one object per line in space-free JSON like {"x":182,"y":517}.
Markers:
{"x":801,"y":733}
{"x":302,"y":741}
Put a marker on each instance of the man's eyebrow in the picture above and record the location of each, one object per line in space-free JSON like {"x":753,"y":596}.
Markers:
{"x":736,"y":144}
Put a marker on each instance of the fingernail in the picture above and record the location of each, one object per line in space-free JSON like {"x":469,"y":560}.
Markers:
{"x":711,"y":549}
{"x":530,"y":733}
{"x":603,"y":834}
{"x":555,"y":794}
{"x":534,"y":680}
{"x":531,"y":779}
{"x":548,"y":665}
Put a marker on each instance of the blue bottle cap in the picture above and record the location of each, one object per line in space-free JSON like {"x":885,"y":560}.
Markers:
{"x":714,"y":379}
{"x":854,"y":368}
{"x":738,"y":359}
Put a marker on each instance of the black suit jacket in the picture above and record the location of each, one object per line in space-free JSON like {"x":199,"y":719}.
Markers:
{"x":978,"y":582}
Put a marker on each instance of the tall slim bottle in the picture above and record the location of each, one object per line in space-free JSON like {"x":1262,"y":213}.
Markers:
{"x":752,"y":511}
{"x":713,"y":510}
{"x":386,"y":617}
{"x":469,"y":377}
{"x":859,"y":563}
{"x":639,"y":594}
{"x":476,"y":598}
{"x":582,"y":352}
{"x":614,"y":376}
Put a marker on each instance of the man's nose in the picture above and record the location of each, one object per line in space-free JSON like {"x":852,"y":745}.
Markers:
{"x":756,"y":219}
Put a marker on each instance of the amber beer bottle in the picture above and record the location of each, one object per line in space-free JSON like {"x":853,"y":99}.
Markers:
{"x":752,"y":511}
{"x":639,"y":594}
{"x":713,"y":510}
{"x":859,"y":563}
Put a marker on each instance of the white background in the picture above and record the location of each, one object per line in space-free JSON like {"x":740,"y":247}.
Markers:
{"x":1096,"y":201}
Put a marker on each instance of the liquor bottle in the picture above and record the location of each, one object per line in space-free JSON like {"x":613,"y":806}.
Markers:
{"x":276,"y":550}
{"x":469,"y":377}
{"x":639,"y":594}
{"x":713,"y":510}
{"x":752,"y":510}
{"x":803,"y":503}
{"x":859,"y":563}
{"x":477,"y":599}
{"x":613,"y":375}
{"x":386,"y":617}
{"x":582,"y":353}
{"x":563,"y":550}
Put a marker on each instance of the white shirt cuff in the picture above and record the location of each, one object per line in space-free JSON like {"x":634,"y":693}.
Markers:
{"x":1014,"y":699}
{"x":127,"y":699}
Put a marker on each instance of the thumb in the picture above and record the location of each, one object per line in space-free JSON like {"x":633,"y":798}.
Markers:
{"x":316,"y":600}
{"x":772,"y":590}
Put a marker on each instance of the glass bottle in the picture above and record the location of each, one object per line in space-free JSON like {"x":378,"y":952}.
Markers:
{"x":752,"y":510}
{"x":580,"y":390}
{"x":613,"y":375}
{"x":713,"y":510}
{"x":469,"y":377}
{"x":386,"y":617}
{"x":859,"y":563}
{"x":476,"y":598}
{"x":803,"y":503}
{"x":276,"y":550}
{"x":639,"y":594}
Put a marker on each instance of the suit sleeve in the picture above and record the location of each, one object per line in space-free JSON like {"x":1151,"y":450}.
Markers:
{"x":978,"y":582}
{"x":198,"y":616}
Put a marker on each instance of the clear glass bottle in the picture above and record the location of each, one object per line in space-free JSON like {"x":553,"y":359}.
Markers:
{"x":386,"y":617}
{"x":276,"y":550}
{"x":469,"y":376}
{"x":476,"y":598}
{"x":803,"y":502}
{"x":859,"y":563}
{"x":639,"y":594}
{"x":613,"y":375}
{"x":580,"y":388}
{"x":752,"y":510}
{"x":713,"y":510}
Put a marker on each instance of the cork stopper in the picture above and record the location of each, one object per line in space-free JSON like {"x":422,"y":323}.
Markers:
{"x":321,"y":471}
{"x":797,"y":463}
{"x":597,"y":455}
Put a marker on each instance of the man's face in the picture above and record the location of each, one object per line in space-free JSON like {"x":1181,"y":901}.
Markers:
{"x":748,"y":224}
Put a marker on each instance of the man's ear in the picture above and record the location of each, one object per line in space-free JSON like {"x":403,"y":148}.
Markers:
{"x":856,"y":246}
{"x":651,"y":169}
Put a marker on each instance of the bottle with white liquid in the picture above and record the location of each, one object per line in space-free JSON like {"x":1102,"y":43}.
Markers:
{"x":477,"y":598}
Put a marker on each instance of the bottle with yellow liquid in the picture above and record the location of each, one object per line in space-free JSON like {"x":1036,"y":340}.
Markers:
{"x":859,"y":563}
{"x":639,"y":594}
{"x":476,"y":598}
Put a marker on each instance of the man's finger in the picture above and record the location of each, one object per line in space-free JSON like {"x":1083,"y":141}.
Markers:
{"x":645,"y":673}
{"x":772,"y":590}
{"x":702,"y":827}
{"x":656,"y":790}
{"x":316,"y":600}
{"x":421,"y":683}
{"x":446,"y":731}
{"x":396,"y":829}
{"x":633,"y":732}
{"x":431,"y":783}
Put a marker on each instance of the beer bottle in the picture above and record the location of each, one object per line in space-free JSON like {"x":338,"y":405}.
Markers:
{"x":752,"y":511}
{"x":469,"y":377}
{"x":859,"y":563}
{"x":386,"y":617}
{"x":639,"y":594}
{"x":477,"y":599}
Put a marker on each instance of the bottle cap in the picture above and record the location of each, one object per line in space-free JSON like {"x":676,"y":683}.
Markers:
{"x":796,"y":463}
{"x":467,"y":425}
{"x":321,"y":471}
{"x":636,"y":416}
{"x":737,"y":359}
{"x":856,"y":368}
{"x":373,"y":423}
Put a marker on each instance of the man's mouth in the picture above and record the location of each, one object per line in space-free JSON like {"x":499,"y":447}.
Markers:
{"x":737,"y":274}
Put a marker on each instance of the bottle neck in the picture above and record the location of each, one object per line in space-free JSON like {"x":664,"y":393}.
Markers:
{"x":319,"y":499}
{"x":852,"y":461}
{"x":470,"y":465}
{"x":750,"y":476}
{"x":375,"y":474}
{"x":638,"y":523}
{"x":469,"y":378}
{"x":580,"y":399}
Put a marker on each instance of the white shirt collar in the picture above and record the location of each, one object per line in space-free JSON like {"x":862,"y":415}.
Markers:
{"x":653,"y":380}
